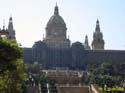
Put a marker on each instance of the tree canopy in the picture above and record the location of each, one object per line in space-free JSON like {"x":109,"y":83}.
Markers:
{"x":109,"y":74}
{"x":11,"y":67}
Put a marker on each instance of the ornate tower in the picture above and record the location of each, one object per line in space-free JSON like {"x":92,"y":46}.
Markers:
{"x":3,"y":32}
{"x":8,"y":33}
{"x":11,"y":30}
{"x":56,"y":31}
{"x":86,"y":43}
{"x":98,"y":42}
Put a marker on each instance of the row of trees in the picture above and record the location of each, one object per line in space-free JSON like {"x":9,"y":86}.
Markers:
{"x":109,"y":74}
{"x":12,"y":74}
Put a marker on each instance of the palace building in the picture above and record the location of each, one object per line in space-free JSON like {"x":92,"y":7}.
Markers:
{"x":56,"y":50}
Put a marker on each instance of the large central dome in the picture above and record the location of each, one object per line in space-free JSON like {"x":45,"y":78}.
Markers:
{"x":56,"y":18}
{"x":56,"y":27}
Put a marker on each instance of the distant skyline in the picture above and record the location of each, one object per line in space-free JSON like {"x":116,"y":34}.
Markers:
{"x":31,"y":16}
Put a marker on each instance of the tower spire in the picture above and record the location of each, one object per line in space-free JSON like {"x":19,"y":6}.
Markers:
{"x":86,"y":40}
{"x":3,"y":24}
{"x":10,"y":20}
{"x":98,"y":42}
{"x":86,"y":43}
{"x":10,"y":29}
{"x":56,"y":10}
{"x":10,"y":26}
{"x":97,"y":29}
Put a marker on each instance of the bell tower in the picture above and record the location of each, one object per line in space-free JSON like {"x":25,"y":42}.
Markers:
{"x":86,"y":43}
{"x":11,"y":30}
{"x":8,"y":33}
{"x":3,"y":32}
{"x":98,"y":42}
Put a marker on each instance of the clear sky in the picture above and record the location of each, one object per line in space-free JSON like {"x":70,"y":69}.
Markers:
{"x":31,"y":16}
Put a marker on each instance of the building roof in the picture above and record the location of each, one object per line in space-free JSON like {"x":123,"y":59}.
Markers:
{"x":56,"y":18}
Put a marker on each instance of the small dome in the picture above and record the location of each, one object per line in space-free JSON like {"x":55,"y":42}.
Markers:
{"x":77,"y":45}
{"x":39,"y":44}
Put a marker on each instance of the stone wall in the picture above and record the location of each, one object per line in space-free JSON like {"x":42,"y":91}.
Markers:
{"x":73,"y":89}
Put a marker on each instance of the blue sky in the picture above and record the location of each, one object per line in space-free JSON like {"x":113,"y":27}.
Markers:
{"x":31,"y":16}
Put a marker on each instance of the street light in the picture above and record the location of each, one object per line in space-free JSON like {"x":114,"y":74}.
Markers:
{"x":31,"y":80}
{"x":39,"y":85}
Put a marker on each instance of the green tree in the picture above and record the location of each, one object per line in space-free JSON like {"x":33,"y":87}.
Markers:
{"x":106,"y":73}
{"x":32,"y":68}
{"x":12,"y":74}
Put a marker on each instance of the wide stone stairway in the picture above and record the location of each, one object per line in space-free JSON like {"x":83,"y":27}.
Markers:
{"x":62,"y":89}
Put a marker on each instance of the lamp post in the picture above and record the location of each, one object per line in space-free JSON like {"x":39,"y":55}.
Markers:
{"x":124,"y":82}
{"x":104,"y":86}
{"x":39,"y":85}
{"x":124,"y":86}
{"x":31,"y":80}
